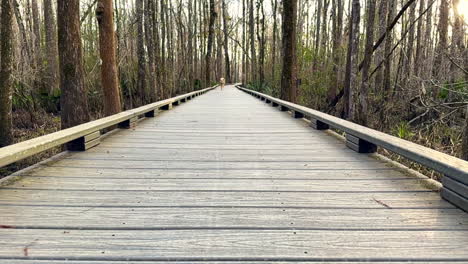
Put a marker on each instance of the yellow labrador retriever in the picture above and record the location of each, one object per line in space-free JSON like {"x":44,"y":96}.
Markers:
{"x":222,"y":83}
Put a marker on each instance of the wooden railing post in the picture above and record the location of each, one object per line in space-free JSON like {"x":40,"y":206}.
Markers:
{"x":319,"y":125}
{"x":166,"y":107}
{"x":85,"y":143}
{"x":129,"y":123}
{"x":150,"y":113}
{"x":359,"y":145}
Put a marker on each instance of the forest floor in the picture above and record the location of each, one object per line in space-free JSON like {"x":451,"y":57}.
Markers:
{"x":28,"y":125}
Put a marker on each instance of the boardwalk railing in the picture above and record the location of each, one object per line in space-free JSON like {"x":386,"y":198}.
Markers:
{"x":87,"y":135}
{"x":366,"y":140}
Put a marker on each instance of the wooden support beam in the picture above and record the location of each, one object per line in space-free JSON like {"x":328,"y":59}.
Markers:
{"x":151,"y":113}
{"x":84,"y":143}
{"x":297,"y":114}
{"x":129,"y":123}
{"x":455,"y":192}
{"x":319,"y":125}
{"x":359,"y":145}
{"x":166,"y":107}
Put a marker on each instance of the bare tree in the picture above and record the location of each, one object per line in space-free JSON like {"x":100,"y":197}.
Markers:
{"x":51,"y":77}
{"x":211,"y":33}
{"x":362,"y":109}
{"x":464,"y":145}
{"x":352,"y":63}
{"x":226,"y":43}
{"x":141,"y":86}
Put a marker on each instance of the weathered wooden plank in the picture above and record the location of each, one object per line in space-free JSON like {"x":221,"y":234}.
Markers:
{"x":273,"y":218}
{"x":203,"y":199}
{"x":217,"y":184}
{"x":251,"y":261}
{"x":220,"y":174}
{"x":220,"y":165}
{"x":433,"y":159}
{"x":212,"y":197}
{"x":28,"y":148}
{"x":236,"y":244}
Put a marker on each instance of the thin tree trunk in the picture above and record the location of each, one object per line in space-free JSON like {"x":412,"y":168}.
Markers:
{"x":74,"y":103}
{"x":442,"y":46}
{"x":388,"y":48}
{"x":226,"y":43}
{"x":289,"y":71}
{"x":141,"y":85}
{"x":109,"y":76}
{"x":6,"y":69}
{"x":151,"y":50}
{"x":419,"y":37}
{"x":253,"y":55}
{"x":273,"y":46}
{"x":52,"y":70}
{"x":464,"y":145}
{"x":211,"y":32}
{"x":362,"y":109}
{"x":380,"y":52}
{"x":352,"y":63}
{"x":37,"y":36}
{"x":337,"y":9}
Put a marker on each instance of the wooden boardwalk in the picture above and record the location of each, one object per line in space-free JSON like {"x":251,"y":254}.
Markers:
{"x":223,"y":179}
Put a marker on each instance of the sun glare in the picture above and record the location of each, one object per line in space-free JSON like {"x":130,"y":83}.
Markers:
{"x":463,"y":9}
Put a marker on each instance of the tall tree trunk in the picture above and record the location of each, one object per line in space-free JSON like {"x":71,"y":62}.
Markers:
{"x":337,"y":9}
{"x":73,"y":99}
{"x":151,"y":49}
{"x":211,"y":32}
{"x":164,"y":85}
{"x":245,"y":62}
{"x":428,"y":46}
{"x":388,"y":48}
{"x":362,"y":109}
{"x":51,"y":77}
{"x":141,"y":80}
{"x":324,"y":37}
{"x":352,"y":60}
{"x":6,"y":68}
{"x":464,"y":145}
{"x":419,"y":37}
{"x":253,"y":55}
{"x":442,"y":46}
{"x":273,"y":46}
{"x":107,"y":51}
{"x":410,"y":45}
{"x":289,"y":71}
{"x":227,"y":63}
{"x":37,"y":36}
{"x":380,"y":53}
{"x":261,"y":40}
